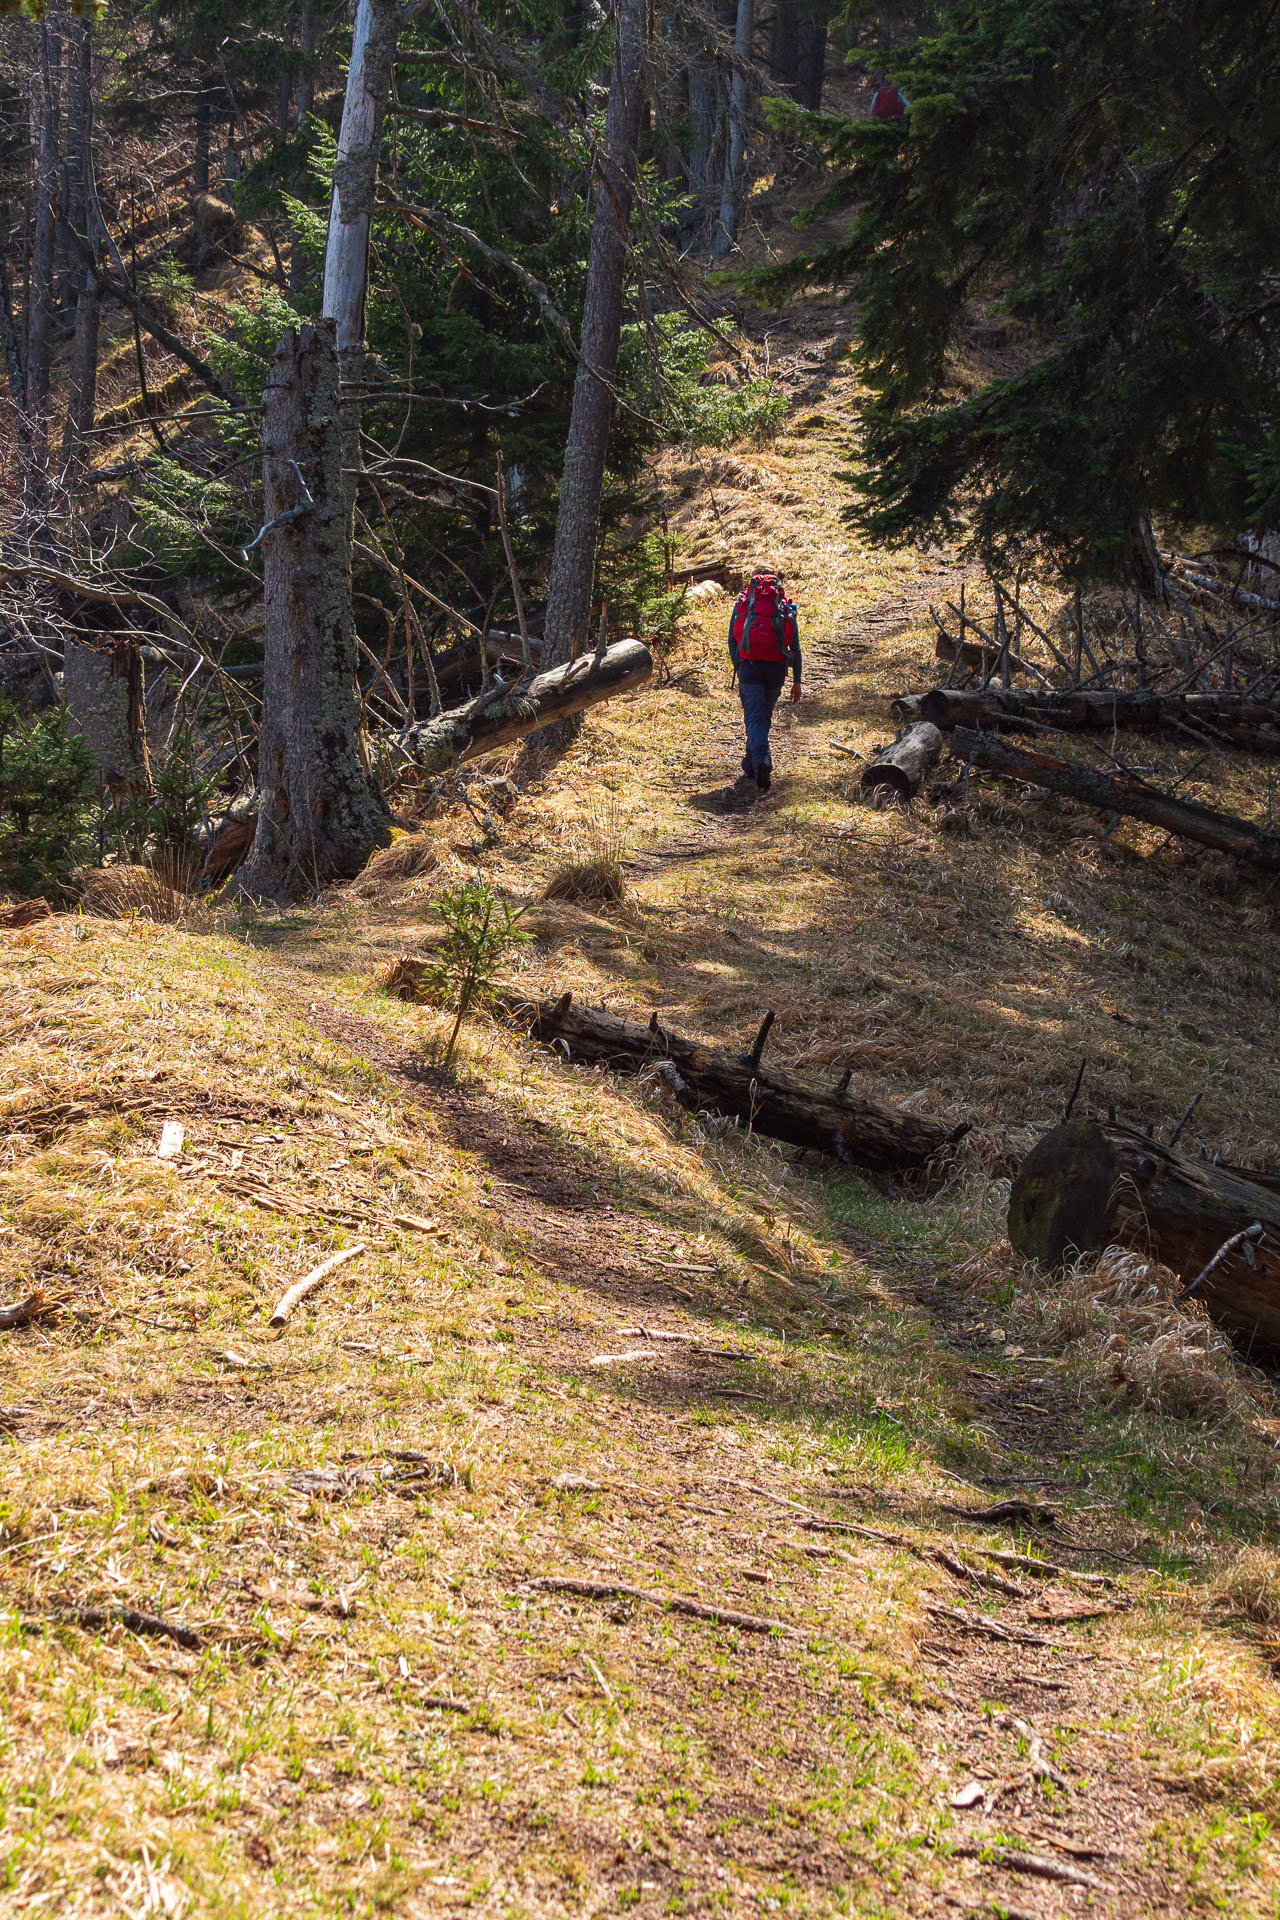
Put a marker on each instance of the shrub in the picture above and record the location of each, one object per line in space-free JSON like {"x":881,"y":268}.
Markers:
{"x":48,"y":786}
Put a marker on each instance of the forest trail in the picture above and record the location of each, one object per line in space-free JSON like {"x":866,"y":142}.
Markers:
{"x":601,"y":1359}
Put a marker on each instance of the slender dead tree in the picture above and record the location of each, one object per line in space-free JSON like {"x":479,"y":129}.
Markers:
{"x":83,"y":214}
{"x":321,"y":812}
{"x":582,"y":481}
{"x":735,"y":169}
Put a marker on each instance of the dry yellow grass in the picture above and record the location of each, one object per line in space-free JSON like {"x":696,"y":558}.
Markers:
{"x":387,"y":1712}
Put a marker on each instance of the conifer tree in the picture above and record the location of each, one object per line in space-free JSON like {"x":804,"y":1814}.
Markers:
{"x":1101,"y":175}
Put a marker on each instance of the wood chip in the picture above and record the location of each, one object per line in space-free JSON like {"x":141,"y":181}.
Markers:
{"x":971,"y":1794}
{"x":414,"y":1222}
{"x":172,"y":1137}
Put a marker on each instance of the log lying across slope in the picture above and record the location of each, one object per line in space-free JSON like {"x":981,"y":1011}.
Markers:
{"x":506,"y":712}
{"x":1231,"y":717}
{"x":1121,"y":793}
{"x":1087,"y":1185}
{"x":857,"y":1131}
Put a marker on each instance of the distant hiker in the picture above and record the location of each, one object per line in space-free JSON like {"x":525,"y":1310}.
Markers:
{"x":764,"y":640}
{"x":886,"y":102}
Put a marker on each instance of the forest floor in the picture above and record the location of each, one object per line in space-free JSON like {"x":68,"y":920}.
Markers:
{"x":591,"y":1339}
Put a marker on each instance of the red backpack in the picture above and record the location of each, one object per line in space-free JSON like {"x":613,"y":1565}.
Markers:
{"x":888,"y":103}
{"x":764,"y":621}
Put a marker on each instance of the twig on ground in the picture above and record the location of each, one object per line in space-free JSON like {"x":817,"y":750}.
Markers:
{"x":310,"y":1281}
{"x":91,"y":1618}
{"x":36,"y":1306}
{"x":670,"y":1602}
{"x":1030,"y":1863}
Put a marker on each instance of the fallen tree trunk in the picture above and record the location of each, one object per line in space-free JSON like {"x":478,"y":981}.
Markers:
{"x":1086,"y":1185}
{"x":906,"y":762}
{"x":975,"y":658}
{"x":1121,"y":793}
{"x":857,"y":1131}
{"x":507,"y":711}
{"x":465,"y":658}
{"x":1243,"y":722}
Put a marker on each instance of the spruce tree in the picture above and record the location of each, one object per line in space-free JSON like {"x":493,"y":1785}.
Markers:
{"x":1101,"y":175}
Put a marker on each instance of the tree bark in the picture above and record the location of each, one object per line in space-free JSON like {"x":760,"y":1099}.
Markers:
{"x":82,"y":213}
{"x":857,"y":1132}
{"x":786,"y":46}
{"x":1121,"y":793}
{"x":906,"y":763}
{"x":811,"y":62}
{"x":1254,"y":724}
{"x":582,"y":480}
{"x":500,"y":716}
{"x":735,"y":171}
{"x":44,"y":135}
{"x":355,"y":174}
{"x":321,"y":813}
{"x":1086,"y":1186}
{"x":705,"y":95}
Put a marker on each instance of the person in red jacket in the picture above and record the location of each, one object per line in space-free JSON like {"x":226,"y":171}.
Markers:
{"x":886,"y":102}
{"x":764,"y":641}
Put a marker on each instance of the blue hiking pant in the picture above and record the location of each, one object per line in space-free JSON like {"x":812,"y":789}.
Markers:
{"x":759,"y":697}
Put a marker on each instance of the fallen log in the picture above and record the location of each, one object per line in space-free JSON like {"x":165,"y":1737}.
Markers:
{"x":858,"y":1132}
{"x":1087,"y":1185}
{"x":507,"y":710}
{"x":906,"y":762}
{"x":974,"y":658}
{"x":465,"y":658}
{"x":1118,"y":793}
{"x":1243,"y":722}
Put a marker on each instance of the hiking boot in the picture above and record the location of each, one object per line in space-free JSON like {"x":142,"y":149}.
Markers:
{"x":764,"y":776}
{"x":747,"y":768}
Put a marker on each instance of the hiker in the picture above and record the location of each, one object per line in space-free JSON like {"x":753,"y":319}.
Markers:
{"x":886,"y":102}
{"x":764,"y":640}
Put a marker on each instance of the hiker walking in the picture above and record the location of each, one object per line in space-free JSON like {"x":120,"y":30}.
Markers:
{"x":886,"y":102}
{"x":764,"y":640}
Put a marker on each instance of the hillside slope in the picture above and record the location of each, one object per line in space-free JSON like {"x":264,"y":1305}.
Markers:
{"x":592,"y":1340}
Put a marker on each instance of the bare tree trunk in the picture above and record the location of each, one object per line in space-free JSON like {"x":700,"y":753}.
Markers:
{"x":811,"y":65}
{"x":13,"y":368}
{"x":44,"y":134}
{"x":735,"y":170}
{"x":200,"y":163}
{"x":704,"y":109}
{"x":299,"y":265}
{"x":321,"y":814}
{"x":582,"y":481}
{"x":306,"y":79}
{"x":321,"y":811}
{"x":786,"y":45}
{"x":346,"y":255}
{"x":82,"y":211}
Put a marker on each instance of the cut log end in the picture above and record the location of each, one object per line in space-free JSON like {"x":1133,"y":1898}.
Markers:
{"x":1060,"y":1202}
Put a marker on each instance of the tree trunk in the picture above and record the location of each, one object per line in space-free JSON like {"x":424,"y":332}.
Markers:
{"x":735,"y":171}
{"x":494,"y":718}
{"x":355,"y":174}
{"x":320,"y":814}
{"x":13,"y":368}
{"x":811,"y":64}
{"x":705,"y":89}
{"x":582,"y":480}
{"x":1254,"y":724}
{"x":905,"y":765}
{"x":82,"y":212}
{"x":200,"y":161}
{"x":1086,"y":1186}
{"x":858,"y":1132}
{"x":44,"y":135}
{"x":305,"y":84}
{"x":786,"y":46}
{"x":1121,"y":793}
